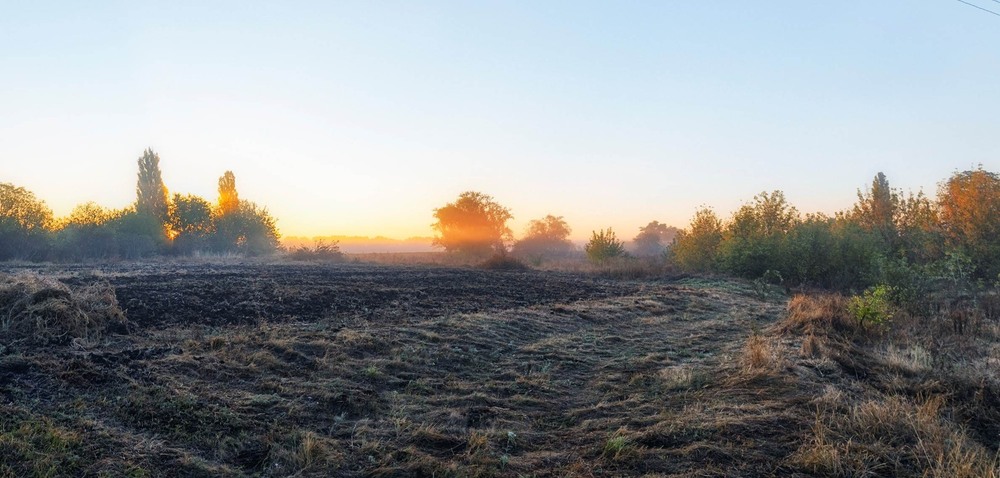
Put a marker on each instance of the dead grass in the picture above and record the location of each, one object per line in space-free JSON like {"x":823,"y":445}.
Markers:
{"x":658,"y":378}
{"x":893,"y":436}
{"x":819,"y":313}
{"x":907,"y":416}
{"x":41,"y":310}
{"x":758,"y":353}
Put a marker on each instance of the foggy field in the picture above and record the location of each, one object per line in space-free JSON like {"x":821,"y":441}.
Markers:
{"x":387,"y":370}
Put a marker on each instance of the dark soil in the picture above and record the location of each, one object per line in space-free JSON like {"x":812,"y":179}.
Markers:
{"x":367,"y":370}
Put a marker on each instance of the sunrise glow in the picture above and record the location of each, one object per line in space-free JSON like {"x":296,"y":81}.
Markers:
{"x":362,"y":118}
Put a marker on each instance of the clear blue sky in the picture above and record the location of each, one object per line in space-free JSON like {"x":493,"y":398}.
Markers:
{"x":361,"y":117}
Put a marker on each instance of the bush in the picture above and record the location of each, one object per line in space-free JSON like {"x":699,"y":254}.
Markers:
{"x":604,"y":245}
{"x":322,"y":252}
{"x":872,"y":307}
{"x":696,"y":248}
{"x":250,"y":230}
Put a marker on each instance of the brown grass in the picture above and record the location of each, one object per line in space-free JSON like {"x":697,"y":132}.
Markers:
{"x":819,"y":313}
{"x":41,"y":310}
{"x":645,"y":378}
{"x":758,"y":353}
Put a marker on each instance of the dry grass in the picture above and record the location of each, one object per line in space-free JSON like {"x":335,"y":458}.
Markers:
{"x":893,"y":436}
{"x":758,"y":353}
{"x":910,"y":415}
{"x":41,"y":310}
{"x":654,"y":378}
{"x":819,"y":313}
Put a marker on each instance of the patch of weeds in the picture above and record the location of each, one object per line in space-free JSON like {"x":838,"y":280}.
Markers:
{"x":618,"y":445}
{"x":872,"y":308}
{"x":37,"y":447}
{"x":182,"y":416}
{"x":682,"y":377}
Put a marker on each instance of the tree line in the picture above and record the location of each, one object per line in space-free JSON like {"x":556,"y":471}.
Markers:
{"x":909,"y":242}
{"x":155,"y":224}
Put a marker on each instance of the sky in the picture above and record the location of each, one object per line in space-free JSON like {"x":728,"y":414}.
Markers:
{"x":362,"y":117}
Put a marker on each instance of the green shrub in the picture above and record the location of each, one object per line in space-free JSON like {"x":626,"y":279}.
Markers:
{"x":604,"y":245}
{"x":872,"y":307}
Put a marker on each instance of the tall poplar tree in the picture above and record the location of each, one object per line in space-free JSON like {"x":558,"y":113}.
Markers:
{"x":151,"y":193}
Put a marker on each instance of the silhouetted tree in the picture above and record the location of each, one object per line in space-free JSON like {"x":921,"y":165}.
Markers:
{"x":151,"y":194}
{"x":138,"y":234}
{"x":603,"y":245}
{"x":249,"y":230}
{"x":24,"y":223}
{"x":653,"y":239}
{"x":229,"y":199}
{"x":474,"y":224}
{"x":191,"y":221}
{"x":545,"y":237}
{"x":88,"y":232}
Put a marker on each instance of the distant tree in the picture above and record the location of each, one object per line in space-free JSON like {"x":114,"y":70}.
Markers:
{"x":151,"y":193}
{"x":90,"y":214}
{"x":24,"y":224}
{"x":603,"y":245}
{"x":545,"y":237}
{"x":753,"y":238}
{"x":696,"y":248}
{"x":151,"y":207}
{"x":191,"y":221}
{"x":969,"y":204}
{"x":918,"y":226}
{"x":653,"y":239}
{"x":229,"y":199}
{"x":88,"y":233}
{"x":138,"y":234}
{"x":474,"y":224}
{"x":876,"y":210}
{"x":808,"y":251}
{"x":250,"y":230}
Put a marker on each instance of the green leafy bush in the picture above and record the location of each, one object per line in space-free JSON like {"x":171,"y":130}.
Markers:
{"x":604,"y":245}
{"x":872,"y":307}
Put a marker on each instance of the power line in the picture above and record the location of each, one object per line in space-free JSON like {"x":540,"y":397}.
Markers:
{"x":973,"y":5}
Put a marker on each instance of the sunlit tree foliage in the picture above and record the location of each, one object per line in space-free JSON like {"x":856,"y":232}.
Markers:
{"x":24,"y":224}
{"x":970,"y":216}
{"x":474,"y":224}
{"x":229,"y":199}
